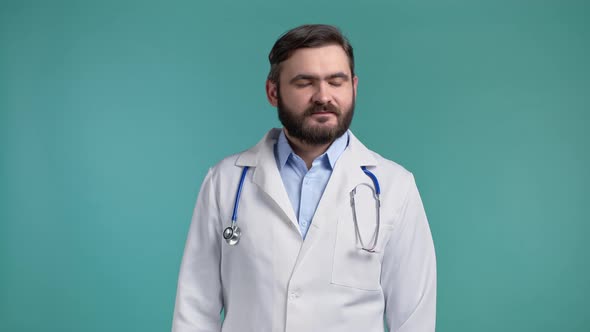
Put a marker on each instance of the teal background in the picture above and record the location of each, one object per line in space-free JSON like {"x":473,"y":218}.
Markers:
{"x":111,"y":113}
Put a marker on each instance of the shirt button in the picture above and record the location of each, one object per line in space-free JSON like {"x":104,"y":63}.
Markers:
{"x":293,"y":296}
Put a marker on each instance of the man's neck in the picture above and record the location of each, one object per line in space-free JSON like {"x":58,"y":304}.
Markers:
{"x":307,"y":152}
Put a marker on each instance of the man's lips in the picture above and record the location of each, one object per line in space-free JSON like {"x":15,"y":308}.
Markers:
{"x":324,"y":112}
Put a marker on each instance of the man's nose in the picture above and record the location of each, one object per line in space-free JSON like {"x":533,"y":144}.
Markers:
{"x":322,"y":95}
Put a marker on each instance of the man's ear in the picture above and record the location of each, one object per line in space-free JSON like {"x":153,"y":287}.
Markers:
{"x":355,"y":83}
{"x":271,"y":93}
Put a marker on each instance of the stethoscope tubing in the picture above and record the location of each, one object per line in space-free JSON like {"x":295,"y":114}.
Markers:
{"x":234,"y":216}
{"x":232,"y":233}
{"x":374,"y":178}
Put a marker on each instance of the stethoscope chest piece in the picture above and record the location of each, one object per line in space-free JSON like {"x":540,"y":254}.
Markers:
{"x":232,"y":235}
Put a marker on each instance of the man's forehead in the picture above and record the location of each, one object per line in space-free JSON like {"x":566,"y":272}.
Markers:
{"x":319,"y":61}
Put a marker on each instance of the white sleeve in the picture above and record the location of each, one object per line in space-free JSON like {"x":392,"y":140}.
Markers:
{"x":408,"y":275}
{"x":199,"y":296}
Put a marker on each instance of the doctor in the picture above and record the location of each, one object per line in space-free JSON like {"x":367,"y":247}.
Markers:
{"x":308,"y":231}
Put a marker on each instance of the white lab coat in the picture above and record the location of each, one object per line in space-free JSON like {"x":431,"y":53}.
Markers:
{"x":272,"y":280}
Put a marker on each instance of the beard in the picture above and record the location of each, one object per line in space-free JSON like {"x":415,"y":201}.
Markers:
{"x":315,"y":134}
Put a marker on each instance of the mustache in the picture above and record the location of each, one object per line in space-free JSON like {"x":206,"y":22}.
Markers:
{"x":322,"y":108}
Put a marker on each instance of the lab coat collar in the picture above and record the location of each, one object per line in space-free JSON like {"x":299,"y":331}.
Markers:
{"x":346,"y":175}
{"x":284,"y":150}
{"x":265,"y":173}
{"x":255,"y":156}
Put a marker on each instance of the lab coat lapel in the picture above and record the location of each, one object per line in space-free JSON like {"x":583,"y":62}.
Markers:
{"x":266,"y":174}
{"x":346,"y":175}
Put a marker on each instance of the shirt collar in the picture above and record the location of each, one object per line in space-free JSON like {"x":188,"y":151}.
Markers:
{"x":284,"y":151}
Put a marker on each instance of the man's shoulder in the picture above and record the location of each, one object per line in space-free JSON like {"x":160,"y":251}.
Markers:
{"x":383,"y":164}
{"x":389,"y":165}
{"x":227,"y":162}
{"x":394,"y":178}
{"x":248,"y":157}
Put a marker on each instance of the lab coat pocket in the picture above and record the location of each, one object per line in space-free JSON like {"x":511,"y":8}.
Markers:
{"x":352,"y":266}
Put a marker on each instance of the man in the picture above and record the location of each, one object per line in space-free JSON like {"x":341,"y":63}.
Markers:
{"x":328,"y":235}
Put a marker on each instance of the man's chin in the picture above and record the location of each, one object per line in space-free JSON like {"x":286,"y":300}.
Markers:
{"x":321,"y":129}
{"x":319,"y":136}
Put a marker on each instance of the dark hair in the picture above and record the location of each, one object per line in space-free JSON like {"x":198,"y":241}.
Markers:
{"x":309,"y":35}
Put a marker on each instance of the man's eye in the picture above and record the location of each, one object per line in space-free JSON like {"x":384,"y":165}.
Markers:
{"x":302,"y":84}
{"x":336,"y":83}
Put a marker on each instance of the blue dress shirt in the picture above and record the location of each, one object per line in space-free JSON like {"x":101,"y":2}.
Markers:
{"x":305,"y":187}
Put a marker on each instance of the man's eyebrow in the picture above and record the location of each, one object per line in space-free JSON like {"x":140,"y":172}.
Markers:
{"x":338,"y":75}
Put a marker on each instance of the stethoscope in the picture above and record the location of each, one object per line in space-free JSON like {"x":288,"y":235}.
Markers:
{"x":232,"y":233}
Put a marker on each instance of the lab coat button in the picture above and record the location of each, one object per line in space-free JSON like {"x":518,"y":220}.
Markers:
{"x":293,"y":296}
